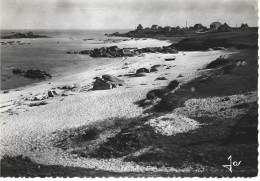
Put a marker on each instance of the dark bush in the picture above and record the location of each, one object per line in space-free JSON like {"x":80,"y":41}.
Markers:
{"x":242,"y":46}
{"x":156,"y":93}
{"x":173,"y":84}
{"x":90,"y":134}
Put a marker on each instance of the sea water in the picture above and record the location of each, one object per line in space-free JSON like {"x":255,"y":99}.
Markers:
{"x":49,"y":54}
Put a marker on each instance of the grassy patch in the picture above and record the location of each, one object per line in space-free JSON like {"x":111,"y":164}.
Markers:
{"x":239,"y":40}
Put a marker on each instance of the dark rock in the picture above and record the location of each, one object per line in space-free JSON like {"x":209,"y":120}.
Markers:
{"x":161,"y":78}
{"x":107,"y":82}
{"x":38,"y":103}
{"x":154,"y":69}
{"x":170,"y":59}
{"x":39,"y":74}
{"x":173,"y":84}
{"x":17,"y":71}
{"x":64,"y":94}
{"x":140,"y":75}
{"x":142,"y":70}
{"x":101,"y":84}
{"x":51,"y":93}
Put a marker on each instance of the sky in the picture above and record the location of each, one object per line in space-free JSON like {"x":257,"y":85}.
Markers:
{"x":123,"y":14}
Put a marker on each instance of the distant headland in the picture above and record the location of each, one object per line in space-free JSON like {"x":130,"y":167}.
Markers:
{"x":156,"y":31}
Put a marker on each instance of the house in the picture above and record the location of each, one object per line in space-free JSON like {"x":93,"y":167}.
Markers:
{"x":198,"y":26}
{"x":224,"y":28}
{"x":167,"y":28}
{"x":139,"y":27}
{"x":215,"y":25}
{"x":154,"y":27}
{"x":244,"y":25}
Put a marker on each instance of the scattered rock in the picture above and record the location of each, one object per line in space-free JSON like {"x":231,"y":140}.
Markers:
{"x":170,"y":59}
{"x":154,"y":69}
{"x":107,"y":82}
{"x":38,"y":103}
{"x":51,"y":93}
{"x":64,"y":94}
{"x":6,"y":91}
{"x":161,"y":78}
{"x":101,"y":84}
{"x":140,"y":75}
{"x":142,"y":70}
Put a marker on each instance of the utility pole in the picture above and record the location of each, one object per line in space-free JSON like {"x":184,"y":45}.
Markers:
{"x":186,"y":24}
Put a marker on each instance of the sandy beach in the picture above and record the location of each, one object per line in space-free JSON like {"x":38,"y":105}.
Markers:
{"x":29,"y":131}
{"x":94,"y":88}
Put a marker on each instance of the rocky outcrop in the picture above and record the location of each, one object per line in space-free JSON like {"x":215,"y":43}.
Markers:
{"x":37,"y":74}
{"x":24,"y":35}
{"x":107,"y":82}
{"x":114,"y":51}
{"x":33,"y":74}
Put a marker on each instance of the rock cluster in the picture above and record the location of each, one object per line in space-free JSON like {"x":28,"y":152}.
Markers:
{"x":114,"y":51}
{"x":24,"y":35}
{"x":33,"y":74}
{"x":14,"y":43}
{"x":107,"y":82}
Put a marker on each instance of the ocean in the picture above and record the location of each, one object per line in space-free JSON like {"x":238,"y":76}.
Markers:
{"x":49,"y":54}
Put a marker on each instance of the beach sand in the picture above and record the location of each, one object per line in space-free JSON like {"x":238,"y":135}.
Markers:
{"x":28,"y":130}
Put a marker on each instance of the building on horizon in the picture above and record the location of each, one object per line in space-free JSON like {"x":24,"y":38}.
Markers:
{"x":139,"y":27}
{"x":215,"y":25}
{"x":225,"y":28}
{"x":154,"y":27}
{"x":198,"y":26}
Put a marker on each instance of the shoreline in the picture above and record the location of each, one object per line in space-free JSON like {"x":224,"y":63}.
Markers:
{"x":63,"y":70}
{"x":135,"y":90}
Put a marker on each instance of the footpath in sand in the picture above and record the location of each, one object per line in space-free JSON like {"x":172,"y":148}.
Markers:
{"x":27,"y":130}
